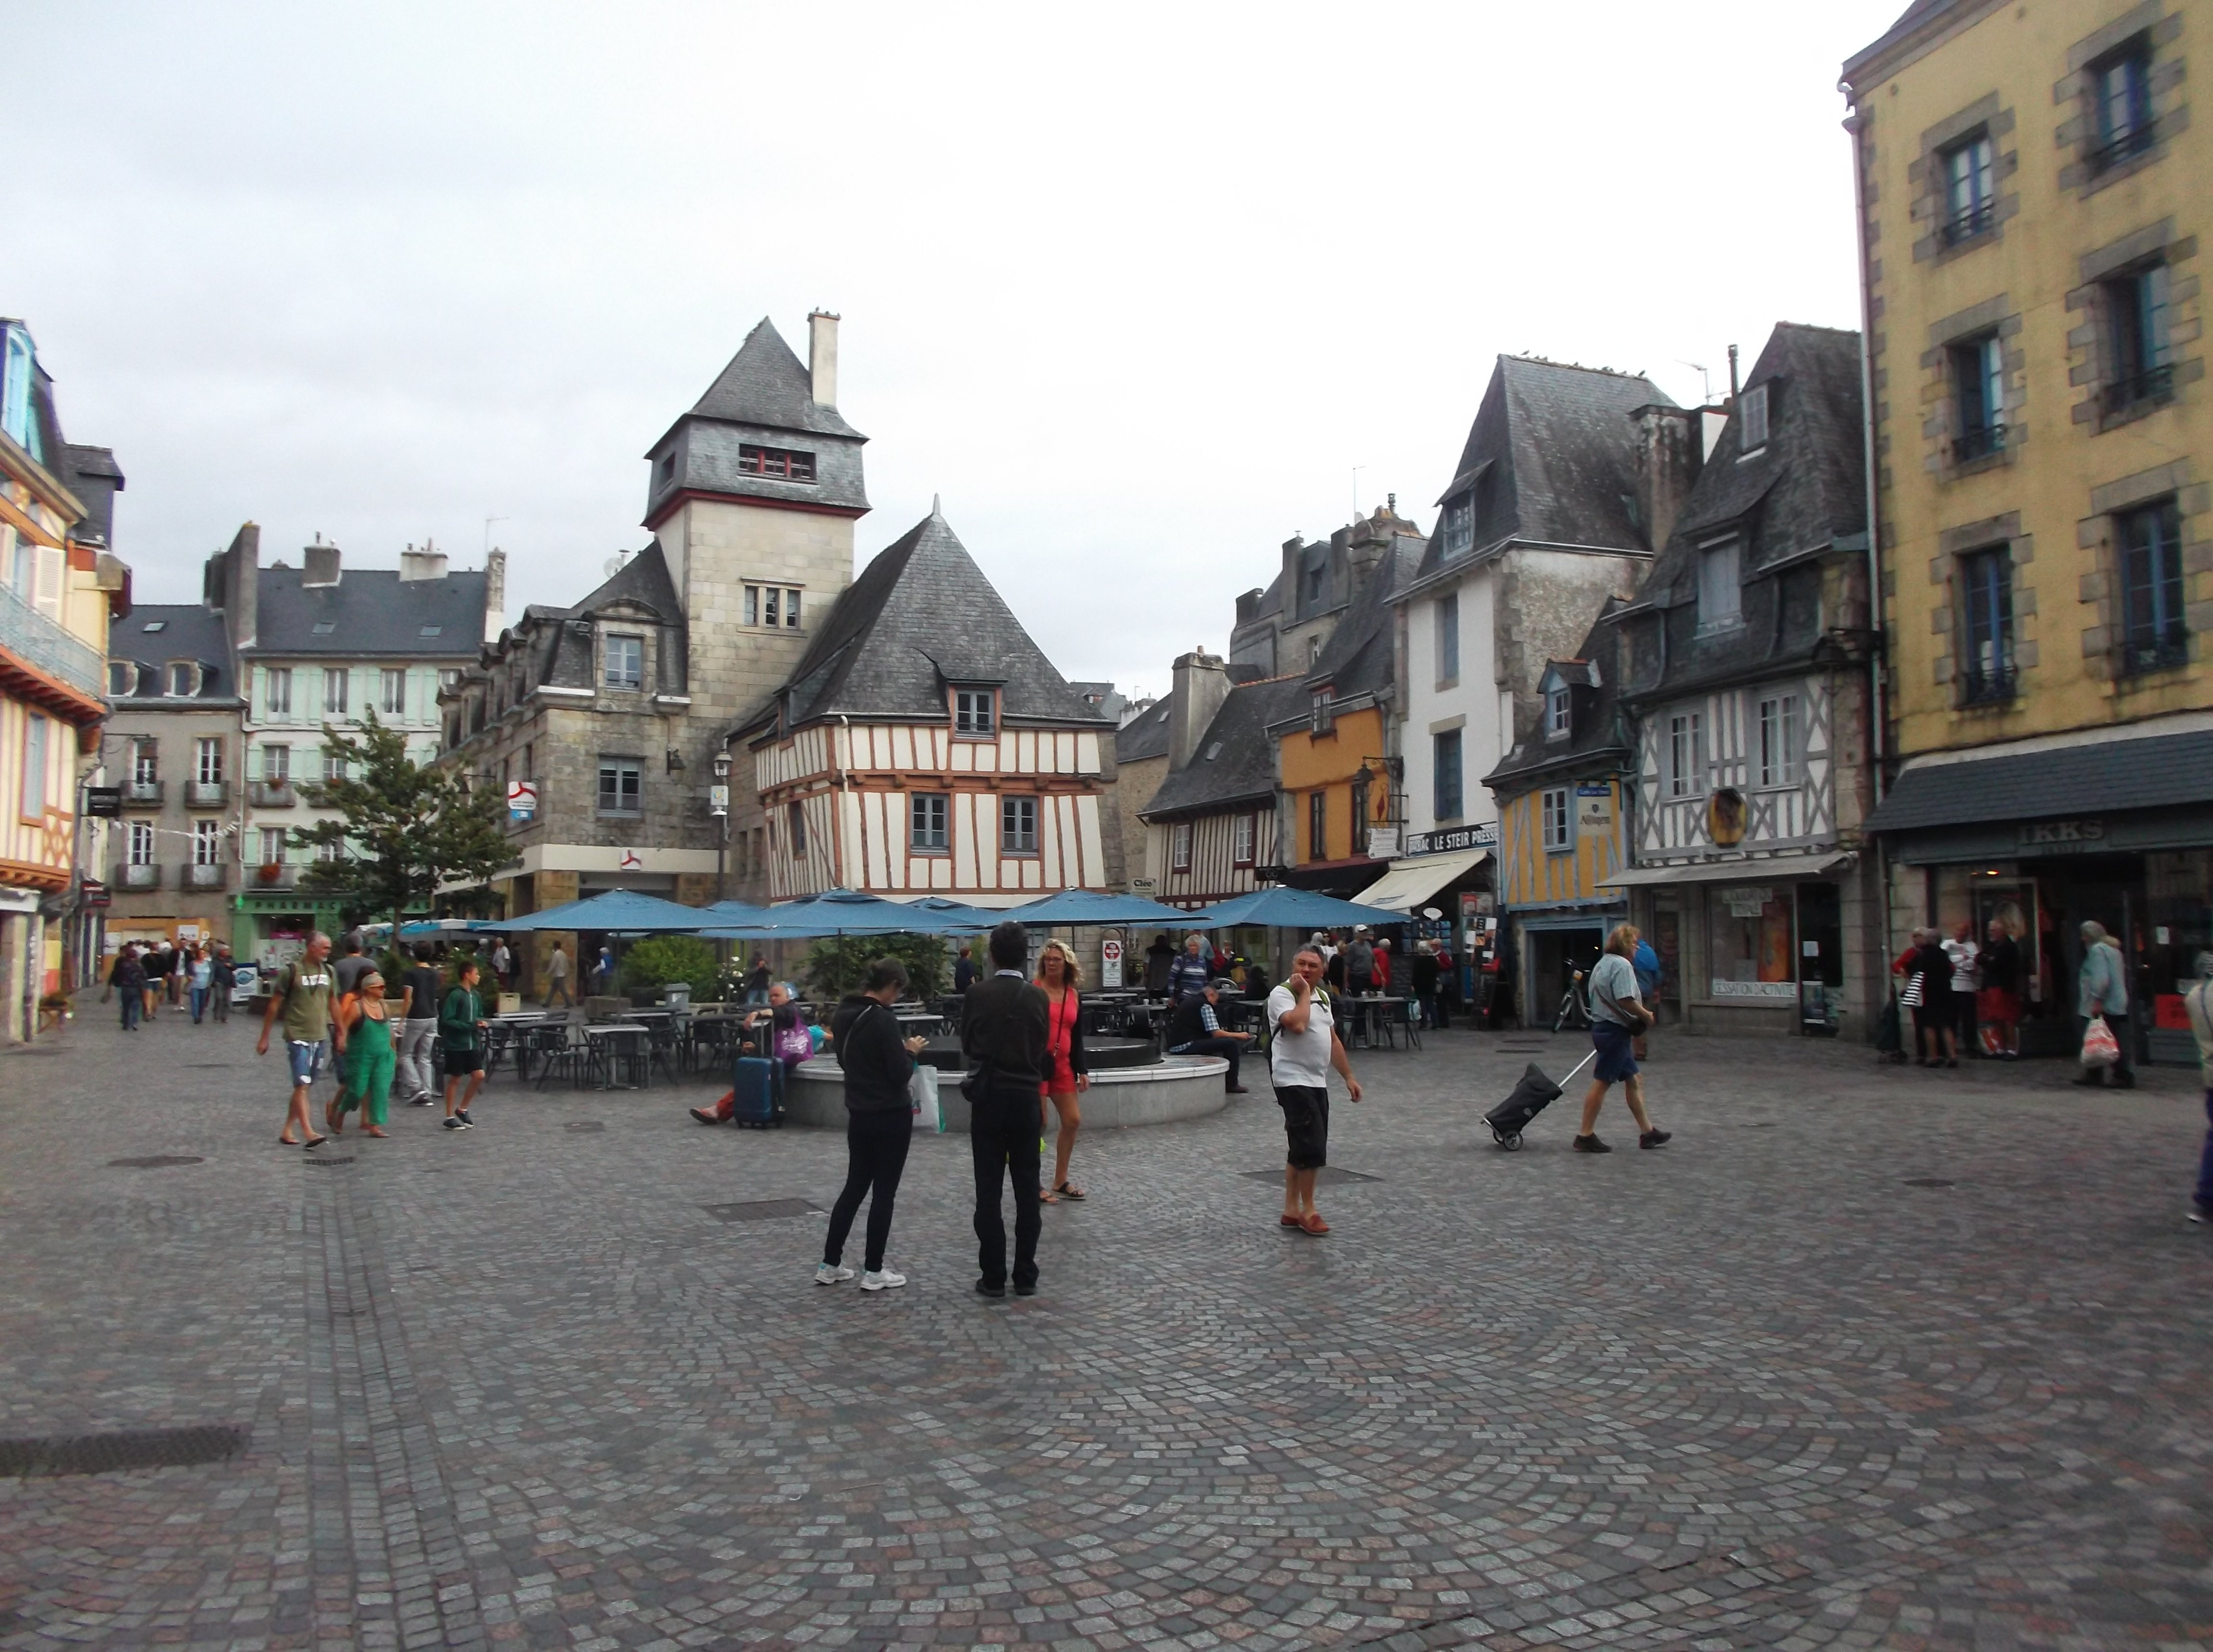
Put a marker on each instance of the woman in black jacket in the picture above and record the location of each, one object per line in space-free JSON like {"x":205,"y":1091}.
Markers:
{"x":879,"y":1122}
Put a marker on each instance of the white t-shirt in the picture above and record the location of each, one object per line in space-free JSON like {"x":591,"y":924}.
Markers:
{"x":1965,"y":969}
{"x":1299,"y":1058}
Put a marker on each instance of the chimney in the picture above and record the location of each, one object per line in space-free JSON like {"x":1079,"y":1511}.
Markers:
{"x":240,"y":585}
{"x":428,"y":563}
{"x":822,"y":357}
{"x":495,"y":617}
{"x":321,"y":562}
{"x":1670,"y":451}
{"x":1201,"y":684}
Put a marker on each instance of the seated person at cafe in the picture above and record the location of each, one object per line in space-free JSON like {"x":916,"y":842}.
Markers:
{"x":779,"y":1031}
{"x":1195,"y":1030}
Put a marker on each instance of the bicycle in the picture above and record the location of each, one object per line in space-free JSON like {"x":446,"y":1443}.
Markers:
{"x":1575,"y":1010}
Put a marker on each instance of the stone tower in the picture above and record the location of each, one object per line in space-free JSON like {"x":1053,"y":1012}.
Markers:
{"x":753,"y":498}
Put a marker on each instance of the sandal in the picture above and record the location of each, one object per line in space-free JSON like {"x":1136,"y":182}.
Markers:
{"x":1069,"y":1191}
{"x":314,"y":1140}
{"x":1289,"y":1222}
{"x":286,"y":1141}
{"x":1046,"y":1196}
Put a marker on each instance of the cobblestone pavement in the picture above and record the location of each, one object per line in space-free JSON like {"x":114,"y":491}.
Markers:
{"x":1867,"y":1358}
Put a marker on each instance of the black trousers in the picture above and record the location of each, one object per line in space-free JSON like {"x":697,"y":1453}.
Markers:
{"x":875,"y":1158}
{"x":1229,"y":1049}
{"x":1003,"y":1130}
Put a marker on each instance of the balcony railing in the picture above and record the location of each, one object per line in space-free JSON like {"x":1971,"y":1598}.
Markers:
{"x":1981,"y":687}
{"x":2121,"y":146}
{"x":2140,"y":654}
{"x":280,"y":875}
{"x":137,"y":877}
{"x":142,"y":794}
{"x":206,"y":877}
{"x":39,"y":641}
{"x":1971,"y":445}
{"x":272,"y":794}
{"x":1970,"y":221}
{"x":206,"y":794}
{"x":2154,"y":384}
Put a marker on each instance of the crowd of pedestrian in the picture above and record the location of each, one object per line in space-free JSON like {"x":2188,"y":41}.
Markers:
{"x":197,"y":976}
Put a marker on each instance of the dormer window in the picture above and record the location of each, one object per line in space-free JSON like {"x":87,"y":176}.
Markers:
{"x":975,"y":713}
{"x":1321,"y":712}
{"x":152,"y":625}
{"x":1559,"y":712}
{"x":183,"y":683}
{"x":1459,"y":524}
{"x":325,"y":627}
{"x":1753,"y":421}
{"x":626,"y":661}
{"x":122,"y":679}
{"x":1721,"y":588}
{"x":781,"y":463}
{"x":666,"y":474}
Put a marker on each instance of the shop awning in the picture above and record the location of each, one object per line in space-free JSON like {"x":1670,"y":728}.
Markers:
{"x":1771,"y":868}
{"x":1409,"y":884}
{"x":2105,"y":776}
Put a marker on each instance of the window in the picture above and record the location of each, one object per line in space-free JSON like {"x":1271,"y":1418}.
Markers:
{"x":277,"y":764}
{"x":392,"y":693}
{"x":1779,"y":741}
{"x":1445,"y":770}
{"x":431,"y":630}
{"x":626,"y":661}
{"x":1315,"y":591}
{"x":790,"y":609}
{"x":17,"y":368}
{"x":1448,"y":639}
{"x":2121,"y":102}
{"x":779,"y":462}
{"x":1978,"y":383}
{"x":622,"y":782}
{"x":974,"y":711}
{"x":1318,"y":827}
{"x":141,"y":849}
{"x":1752,"y":428}
{"x":26,"y":578}
{"x":2155,"y":634}
{"x":795,"y":833}
{"x":208,"y":761}
{"x":1559,"y":821}
{"x":667,"y":470}
{"x":2136,"y":325}
{"x":182,"y":685}
{"x":1313,"y":652}
{"x":330,"y":854}
{"x":122,"y":679}
{"x":1179,"y":846}
{"x":207,"y":843}
{"x":272,"y":845}
{"x":450,"y":677}
{"x":334,"y":693}
{"x":1686,"y":754}
{"x":34,"y":768}
{"x":1969,"y":201}
{"x":277,"y":690}
{"x":1459,"y":524}
{"x":1986,"y":582}
{"x":145,"y":763}
{"x":1721,"y":585}
{"x":1321,"y":712}
{"x":1018,"y":825}
{"x":1241,"y":834}
{"x":334,"y":767}
{"x":753,"y":604}
{"x":1559,"y":713}
{"x":324,"y":627}
{"x":928,"y":815}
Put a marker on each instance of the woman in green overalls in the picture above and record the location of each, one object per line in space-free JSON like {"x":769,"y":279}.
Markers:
{"x":367,"y":1020}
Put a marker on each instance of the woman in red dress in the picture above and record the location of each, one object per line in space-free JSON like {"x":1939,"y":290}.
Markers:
{"x":1067,"y":1074}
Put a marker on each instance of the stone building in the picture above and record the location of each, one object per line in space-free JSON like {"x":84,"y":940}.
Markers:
{"x":2033,"y":200}
{"x":1212,"y":821}
{"x":924,"y":744}
{"x":617,"y":707}
{"x":1281,"y":629}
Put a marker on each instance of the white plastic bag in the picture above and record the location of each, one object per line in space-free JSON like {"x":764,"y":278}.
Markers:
{"x":2100,"y":1047}
{"x":922,"y":1092}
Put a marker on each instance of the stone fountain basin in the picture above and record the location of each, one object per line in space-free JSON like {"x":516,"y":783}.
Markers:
{"x":1162,"y":1091}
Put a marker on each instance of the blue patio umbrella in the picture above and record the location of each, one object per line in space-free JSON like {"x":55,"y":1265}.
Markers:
{"x":620,"y":910}
{"x":1071,"y":906}
{"x":1291,"y":909}
{"x":848,"y":911}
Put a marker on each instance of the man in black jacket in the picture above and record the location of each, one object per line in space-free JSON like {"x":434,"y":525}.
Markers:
{"x":1194,"y":1030}
{"x":1003,"y":1034}
{"x":879,"y":1121}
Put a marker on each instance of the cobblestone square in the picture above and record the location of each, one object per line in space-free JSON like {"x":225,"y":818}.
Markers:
{"x":1866,"y":1357}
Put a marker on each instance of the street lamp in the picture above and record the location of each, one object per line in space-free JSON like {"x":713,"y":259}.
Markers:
{"x":718,"y":805}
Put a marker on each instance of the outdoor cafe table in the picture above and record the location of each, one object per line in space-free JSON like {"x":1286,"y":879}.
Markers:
{"x":619,"y":1048}
{"x":1384,"y":1011}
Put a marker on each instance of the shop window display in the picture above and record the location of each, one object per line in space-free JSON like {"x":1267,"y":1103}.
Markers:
{"x":2179,"y":925}
{"x":1750,"y":943}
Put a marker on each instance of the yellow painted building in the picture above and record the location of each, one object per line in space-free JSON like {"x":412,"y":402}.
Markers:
{"x":2034,"y":193}
{"x":1331,"y":810}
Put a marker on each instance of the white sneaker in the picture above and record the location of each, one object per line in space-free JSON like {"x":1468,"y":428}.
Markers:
{"x":828,"y":1273}
{"x":885,"y":1280}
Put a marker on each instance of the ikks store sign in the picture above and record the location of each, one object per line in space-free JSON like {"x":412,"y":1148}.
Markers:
{"x":2063,"y":836}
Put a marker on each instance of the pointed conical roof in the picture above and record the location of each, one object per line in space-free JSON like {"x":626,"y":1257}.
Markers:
{"x":920,"y":616}
{"x":766,"y":384}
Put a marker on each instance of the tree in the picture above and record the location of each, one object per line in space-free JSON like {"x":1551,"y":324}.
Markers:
{"x":404,"y":830}
{"x":838,"y":964}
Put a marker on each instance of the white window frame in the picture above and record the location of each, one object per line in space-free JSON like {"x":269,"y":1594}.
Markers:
{"x":1019,"y":825}
{"x":207,"y":843}
{"x":36,"y":742}
{"x":180,"y":672}
{"x":1782,"y":738}
{"x":1556,"y":806}
{"x":273,"y":845}
{"x":207,"y":759}
{"x":336,"y":691}
{"x":929,"y":823}
{"x":145,"y":763}
{"x":1559,"y":713}
{"x":1753,"y":425}
{"x":632,"y":678}
{"x":1686,"y":754}
{"x":1179,"y":846}
{"x":277,"y":766}
{"x":392,"y":691}
{"x":138,"y":844}
{"x":334,"y":767}
{"x":277,"y":690}
{"x":122,"y":679}
{"x":1322,"y":712}
{"x":1242,"y":832}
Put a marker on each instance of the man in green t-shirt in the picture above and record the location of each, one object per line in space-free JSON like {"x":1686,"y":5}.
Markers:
{"x":301,"y":994}
{"x":461,"y":1035}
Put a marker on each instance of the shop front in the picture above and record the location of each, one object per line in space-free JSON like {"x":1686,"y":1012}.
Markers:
{"x":1444,"y":883}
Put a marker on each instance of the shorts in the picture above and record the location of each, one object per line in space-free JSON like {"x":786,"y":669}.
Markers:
{"x":1617,"y":1052}
{"x":460,"y":1063}
{"x":1306,"y":1124}
{"x":307,"y":1061}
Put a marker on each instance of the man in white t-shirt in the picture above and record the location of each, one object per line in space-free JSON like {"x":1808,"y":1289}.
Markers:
{"x":1303,"y":1048}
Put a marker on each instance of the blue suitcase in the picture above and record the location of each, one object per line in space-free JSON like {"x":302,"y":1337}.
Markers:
{"x":757,"y":1088}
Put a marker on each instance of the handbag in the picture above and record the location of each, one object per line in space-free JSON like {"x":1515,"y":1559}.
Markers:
{"x":793,"y":1043}
{"x":2100,"y":1047}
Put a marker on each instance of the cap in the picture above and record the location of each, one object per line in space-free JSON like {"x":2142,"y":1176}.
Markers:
{"x":1223,"y":984}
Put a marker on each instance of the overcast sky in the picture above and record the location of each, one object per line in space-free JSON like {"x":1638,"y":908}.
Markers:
{"x":1140,"y":292}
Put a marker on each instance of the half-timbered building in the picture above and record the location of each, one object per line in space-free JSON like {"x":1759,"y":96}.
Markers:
{"x":924,"y":744}
{"x":1748,"y":676}
{"x":1213,"y":823}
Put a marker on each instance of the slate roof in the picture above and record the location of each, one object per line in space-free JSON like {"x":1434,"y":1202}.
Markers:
{"x":1358,"y":659}
{"x":567,"y":660}
{"x":92,"y":475}
{"x":1146,"y":734}
{"x":1245,"y":767}
{"x":766,"y":383}
{"x":2108,"y":775}
{"x":1804,"y":492}
{"x":1559,"y":442}
{"x":187,"y":630}
{"x":1599,"y":737}
{"x":374,"y":613}
{"x":920,"y":617}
